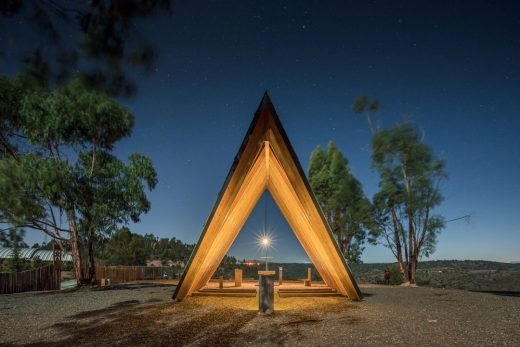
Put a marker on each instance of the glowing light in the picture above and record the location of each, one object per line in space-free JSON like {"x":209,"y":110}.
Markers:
{"x":265,"y":242}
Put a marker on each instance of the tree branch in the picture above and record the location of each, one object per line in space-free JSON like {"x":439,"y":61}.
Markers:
{"x":93,"y":159}
{"x":7,"y":146}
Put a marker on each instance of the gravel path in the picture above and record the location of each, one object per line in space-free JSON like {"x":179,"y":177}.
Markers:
{"x":141,"y":315}
{"x":30,"y":317}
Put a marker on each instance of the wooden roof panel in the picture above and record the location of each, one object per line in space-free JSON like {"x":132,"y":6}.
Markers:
{"x":266,"y":160}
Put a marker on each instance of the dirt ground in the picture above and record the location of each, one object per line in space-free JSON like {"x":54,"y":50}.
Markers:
{"x":144,"y":315}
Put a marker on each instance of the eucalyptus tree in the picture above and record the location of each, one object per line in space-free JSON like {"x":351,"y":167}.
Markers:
{"x":410,"y":177}
{"x":110,"y":193}
{"x":341,"y":197}
{"x":63,"y":179}
{"x":367,"y":106}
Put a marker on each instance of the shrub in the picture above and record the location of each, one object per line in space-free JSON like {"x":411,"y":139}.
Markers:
{"x":423,"y":278}
{"x":396,"y":278}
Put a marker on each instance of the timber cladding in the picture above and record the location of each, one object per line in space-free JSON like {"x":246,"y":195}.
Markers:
{"x":266,"y":160}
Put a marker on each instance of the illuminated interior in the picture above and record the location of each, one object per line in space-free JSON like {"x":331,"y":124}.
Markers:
{"x":266,"y":160}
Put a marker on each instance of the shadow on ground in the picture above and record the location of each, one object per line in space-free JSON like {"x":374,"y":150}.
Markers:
{"x":130,"y":287}
{"x":499,"y":292}
{"x":366,"y":295}
{"x":129,"y":323}
{"x":201,"y":321}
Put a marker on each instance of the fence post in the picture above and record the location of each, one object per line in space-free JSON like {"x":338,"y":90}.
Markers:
{"x":57,"y":265}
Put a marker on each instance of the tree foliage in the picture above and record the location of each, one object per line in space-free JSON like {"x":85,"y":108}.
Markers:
{"x":341,"y":197}
{"x":227,"y":267}
{"x":13,"y":239}
{"x":127,"y":248}
{"x":369,"y":107}
{"x":61,"y":177}
{"x":98,"y":38}
{"x":171,"y":249}
{"x":410,"y":175}
{"x":11,"y":95}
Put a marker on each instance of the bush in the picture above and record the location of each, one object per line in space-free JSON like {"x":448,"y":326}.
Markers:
{"x":396,"y":278}
{"x":423,"y":278}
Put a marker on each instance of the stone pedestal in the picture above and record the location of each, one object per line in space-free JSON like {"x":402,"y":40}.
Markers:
{"x":221,"y":282}
{"x":265,"y":292}
{"x":238,"y":277}
{"x":309,"y":277}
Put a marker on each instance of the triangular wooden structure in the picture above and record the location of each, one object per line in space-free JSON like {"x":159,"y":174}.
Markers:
{"x":266,"y":160}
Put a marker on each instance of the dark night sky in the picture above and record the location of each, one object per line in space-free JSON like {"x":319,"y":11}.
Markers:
{"x":452,"y":68}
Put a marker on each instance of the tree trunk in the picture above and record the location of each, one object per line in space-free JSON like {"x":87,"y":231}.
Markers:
{"x":411,"y":245}
{"x":91,"y":262}
{"x":370,"y":123}
{"x":75,"y":249}
{"x":411,"y":248}
{"x":412,"y":269}
{"x":341,"y":241}
{"x":7,"y":147}
{"x":398,"y":247}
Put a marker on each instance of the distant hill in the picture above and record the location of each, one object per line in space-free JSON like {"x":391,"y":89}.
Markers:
{"x":478,"y":275}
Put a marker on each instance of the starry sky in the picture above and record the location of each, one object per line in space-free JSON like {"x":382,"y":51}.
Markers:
{"x":451,"y":68}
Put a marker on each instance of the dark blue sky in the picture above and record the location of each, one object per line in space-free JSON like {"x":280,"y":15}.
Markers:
{"x":452,"y":68}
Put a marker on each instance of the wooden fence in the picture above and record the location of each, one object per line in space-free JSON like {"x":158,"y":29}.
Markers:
{"x":122,"y":274}
{"x":43,"y":278}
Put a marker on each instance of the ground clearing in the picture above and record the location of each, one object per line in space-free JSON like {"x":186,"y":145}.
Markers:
{"x":144,"y":315}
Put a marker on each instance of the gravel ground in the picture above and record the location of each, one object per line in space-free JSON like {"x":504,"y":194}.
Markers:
{"x":144,"y":315}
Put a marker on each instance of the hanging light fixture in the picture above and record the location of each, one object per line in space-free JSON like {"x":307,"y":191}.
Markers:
{"x":265,"y":239}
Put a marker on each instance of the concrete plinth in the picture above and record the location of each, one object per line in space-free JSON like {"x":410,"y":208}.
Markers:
{"x":238,"y":277}
{"x":309,"y":277}
{"x":265,"y":292}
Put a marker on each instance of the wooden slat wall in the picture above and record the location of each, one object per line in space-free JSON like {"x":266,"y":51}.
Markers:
{"x":43,"y":278}
{"x":123,"y":274}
